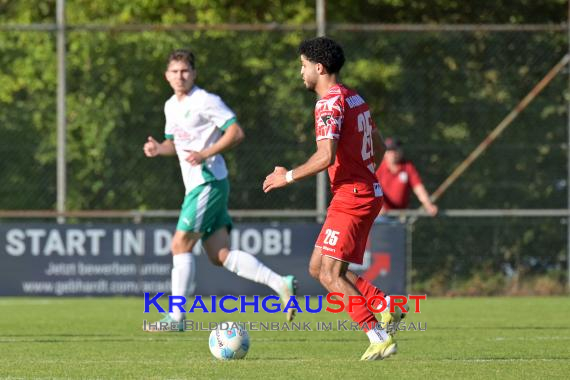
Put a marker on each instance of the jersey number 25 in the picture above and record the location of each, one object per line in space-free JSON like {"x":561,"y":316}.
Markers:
{"x":365,"y":127}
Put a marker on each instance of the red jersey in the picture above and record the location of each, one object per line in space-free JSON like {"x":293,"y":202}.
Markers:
{"x":397,"y":186}
{"x":344,"y":116}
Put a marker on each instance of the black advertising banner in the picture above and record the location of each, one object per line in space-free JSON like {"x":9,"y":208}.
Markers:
{"x":119,"y":259}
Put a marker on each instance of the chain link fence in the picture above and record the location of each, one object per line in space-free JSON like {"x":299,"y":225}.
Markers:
{"x":443,"y":92}
{"x":489,"y":256}
{"x":440,"y":92}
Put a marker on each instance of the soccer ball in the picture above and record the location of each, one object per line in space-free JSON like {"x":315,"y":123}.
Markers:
{"x":229,"y":341}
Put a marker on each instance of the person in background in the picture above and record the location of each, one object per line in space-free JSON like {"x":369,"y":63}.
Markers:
{"x":398,"y":178}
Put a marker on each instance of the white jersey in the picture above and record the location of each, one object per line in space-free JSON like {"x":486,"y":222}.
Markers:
{"x":195,"y":123}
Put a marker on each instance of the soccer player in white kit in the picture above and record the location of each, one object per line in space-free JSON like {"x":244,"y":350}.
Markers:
{"x":199,"y":127}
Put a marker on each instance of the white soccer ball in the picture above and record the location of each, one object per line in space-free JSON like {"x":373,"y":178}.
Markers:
{"x":229,"y":341}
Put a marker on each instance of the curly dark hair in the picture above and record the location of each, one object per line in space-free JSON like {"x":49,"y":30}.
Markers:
{"x":181,"y":55}
{"x":325,"y":51}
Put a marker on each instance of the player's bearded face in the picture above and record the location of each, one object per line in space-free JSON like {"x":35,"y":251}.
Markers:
{"x":180,"y":75}
{"x":309,"y":73}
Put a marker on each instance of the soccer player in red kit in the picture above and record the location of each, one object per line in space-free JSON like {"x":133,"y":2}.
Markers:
{"x":350,"y":146}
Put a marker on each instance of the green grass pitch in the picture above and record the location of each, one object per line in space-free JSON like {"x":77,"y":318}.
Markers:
{"x":465,"y":338}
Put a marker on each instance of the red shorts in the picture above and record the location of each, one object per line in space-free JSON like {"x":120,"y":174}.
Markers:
{"x":345,"y":231}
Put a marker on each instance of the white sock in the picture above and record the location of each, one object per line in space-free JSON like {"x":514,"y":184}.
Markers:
{"x":397,"y":308}
{"x":183,"y":271}
{"x":247,"y":266}
{"x":377,"y":335}
{"x":388,"y":299}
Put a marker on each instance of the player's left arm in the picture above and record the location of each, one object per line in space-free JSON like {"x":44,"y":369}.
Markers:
{"x":378,"y":146}
{"x":420,"y":190}
{"x":319,"y":161}
{"x":232,"y":136}
{"x":425,"y":200}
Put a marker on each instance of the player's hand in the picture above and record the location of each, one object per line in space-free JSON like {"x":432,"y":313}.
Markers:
{"x":194,"y":158}
{"x":432,"y":210}
{"x":151,"y":147}
{"x":275,"y":180}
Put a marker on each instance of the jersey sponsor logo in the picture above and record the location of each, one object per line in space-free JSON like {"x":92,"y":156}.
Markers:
{"x":354,"y":101}
{"x":181,"y":134}
{"x":325,"y":248}
{"x":403,"y":177}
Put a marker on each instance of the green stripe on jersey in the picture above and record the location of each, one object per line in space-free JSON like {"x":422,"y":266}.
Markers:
{"x":228,"y":123}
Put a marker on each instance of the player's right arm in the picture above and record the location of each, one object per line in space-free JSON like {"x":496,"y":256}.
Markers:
{"x":153,"y":148}
{"x":319,"y":161}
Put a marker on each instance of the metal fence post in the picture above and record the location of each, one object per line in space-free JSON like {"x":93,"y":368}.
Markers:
{"x":322,"y":176}
{"x":409,"y":254}
{"x":568,"y":154}
{"x":61,"y":119}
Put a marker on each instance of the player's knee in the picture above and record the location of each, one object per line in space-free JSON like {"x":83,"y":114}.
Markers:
{"x":180,"y":245}
{"x":176,"y":246}
{"x":326,"y":279}
{"x":216,"y":255}
{"x":215,"y":259}
{"x":315,"y":272}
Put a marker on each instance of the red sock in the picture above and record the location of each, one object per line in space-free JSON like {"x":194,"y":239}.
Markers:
{"x":364,"y":317}
{"x":368,"y":290}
